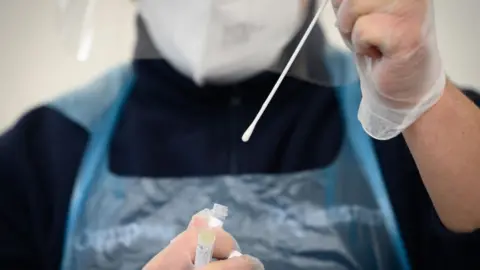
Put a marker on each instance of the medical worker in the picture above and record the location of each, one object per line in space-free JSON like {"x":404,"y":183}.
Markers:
{"x":361,"y":161}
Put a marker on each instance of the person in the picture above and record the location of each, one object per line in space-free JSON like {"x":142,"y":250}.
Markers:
{"x":105,"y":177}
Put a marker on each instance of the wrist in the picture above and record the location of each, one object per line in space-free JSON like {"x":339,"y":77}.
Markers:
{"x":384,"y":122}
{"x":438,"y":113}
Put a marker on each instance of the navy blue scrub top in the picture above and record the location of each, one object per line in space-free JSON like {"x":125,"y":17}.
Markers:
{"x":40,"y":156}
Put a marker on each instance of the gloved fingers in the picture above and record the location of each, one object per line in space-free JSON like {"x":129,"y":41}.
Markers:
{"x":225,"y":244}
{"x":372,"y":35}
{"x":237,"y":263}
{"x":348,"y":11}
{"x":405,"y":23}
{"x":180,"y":254}
{"x":397,"y":59}
{"x":200,"y":220}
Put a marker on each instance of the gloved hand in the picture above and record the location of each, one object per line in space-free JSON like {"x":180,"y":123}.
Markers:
{"x":398,"y":61}
{"x":180,"y":254}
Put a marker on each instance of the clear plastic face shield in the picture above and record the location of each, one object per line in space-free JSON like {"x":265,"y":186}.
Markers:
{"x":215,"y":41}
{"x":209,"y":40}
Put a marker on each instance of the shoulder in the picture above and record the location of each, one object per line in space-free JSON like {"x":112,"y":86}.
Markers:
{"x":39,"y":158}
{"x":49,"y":131}
{"x":87,"y":103}
{"x":34,"y":139}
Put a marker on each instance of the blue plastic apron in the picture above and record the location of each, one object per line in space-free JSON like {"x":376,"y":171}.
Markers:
{"x":338,"y":217}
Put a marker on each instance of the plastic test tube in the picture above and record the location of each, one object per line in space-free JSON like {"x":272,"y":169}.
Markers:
{"x":206,"y":237}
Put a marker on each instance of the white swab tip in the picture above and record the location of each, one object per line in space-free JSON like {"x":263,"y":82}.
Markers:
{"x":248,"y":133}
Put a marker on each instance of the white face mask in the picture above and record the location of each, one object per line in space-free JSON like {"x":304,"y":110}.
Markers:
{"x":221,"y":41}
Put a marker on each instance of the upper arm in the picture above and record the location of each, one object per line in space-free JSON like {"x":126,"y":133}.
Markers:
{"x":16,"y":172}
{"x":39,"y":158}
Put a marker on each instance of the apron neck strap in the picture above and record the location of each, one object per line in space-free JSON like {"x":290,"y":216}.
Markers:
{"x":96,"y":150}
{"x":350,"y":98}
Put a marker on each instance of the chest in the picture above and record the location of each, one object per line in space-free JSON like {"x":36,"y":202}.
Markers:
{"x":298,"y":132}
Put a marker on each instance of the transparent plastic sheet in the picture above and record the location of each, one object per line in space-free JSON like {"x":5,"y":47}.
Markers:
{"x":332,"y":218}
{"x":87,"y":24}
{"x":77,"y":26}
{"x":88,"y":27}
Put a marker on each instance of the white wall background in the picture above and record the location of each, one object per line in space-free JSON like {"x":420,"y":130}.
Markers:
{"x":36,"y":66}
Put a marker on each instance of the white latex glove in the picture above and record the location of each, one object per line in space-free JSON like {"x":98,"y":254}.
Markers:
{"x":180,"y":254}
{"x":397,"y":58}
